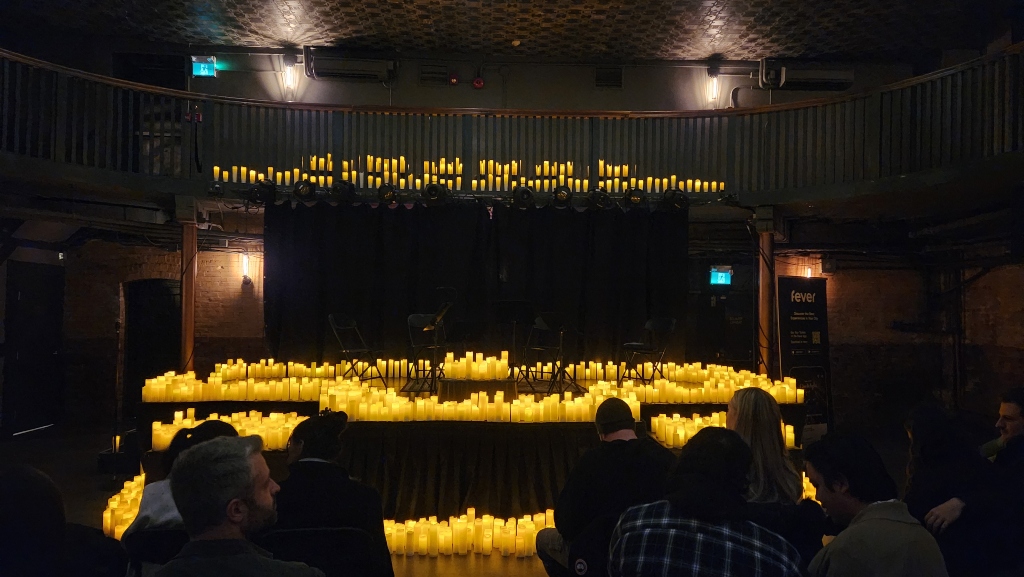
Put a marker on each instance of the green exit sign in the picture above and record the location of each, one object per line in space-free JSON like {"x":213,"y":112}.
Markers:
{"x":204,"y":66}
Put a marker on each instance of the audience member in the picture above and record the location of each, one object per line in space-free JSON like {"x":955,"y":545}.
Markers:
{"x":1001,"y":501}
{"x":157,"y":509}
{"x":319,"y":492}
{"x":880,"y":537}
{"x":776,"y":488}
{"x":225,"y":495}
{"x":701,"y":527}
{"x":621,"y":472}
{"x":36,"y":540}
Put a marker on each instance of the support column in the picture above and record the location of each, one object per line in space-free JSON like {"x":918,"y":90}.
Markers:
{"x":189,"y":268}
{"x":765,"y":302}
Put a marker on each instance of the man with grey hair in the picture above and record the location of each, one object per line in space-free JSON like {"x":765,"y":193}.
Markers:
{"x":225,"y":495}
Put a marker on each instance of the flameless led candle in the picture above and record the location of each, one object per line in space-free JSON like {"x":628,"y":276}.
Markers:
{"x":600,"y":168}
{"x":216,"y":172}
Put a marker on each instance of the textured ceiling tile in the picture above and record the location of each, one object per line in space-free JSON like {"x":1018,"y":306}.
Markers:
{"x":628,"y":30}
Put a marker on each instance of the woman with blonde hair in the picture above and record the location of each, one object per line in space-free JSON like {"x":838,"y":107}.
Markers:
{"x":774,"y":496}
{"x":755,"y":415}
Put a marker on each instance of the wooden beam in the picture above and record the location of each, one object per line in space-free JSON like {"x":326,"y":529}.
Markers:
{"x":189,"y":268}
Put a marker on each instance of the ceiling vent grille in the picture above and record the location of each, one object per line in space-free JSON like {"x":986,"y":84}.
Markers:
{"x":433,"y":75}
{"x":608,"y":77}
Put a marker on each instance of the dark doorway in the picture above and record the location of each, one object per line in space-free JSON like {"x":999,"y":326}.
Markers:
{"x":152,"y":336}
{"x":720,"y":318}
{"x":33,"y":371}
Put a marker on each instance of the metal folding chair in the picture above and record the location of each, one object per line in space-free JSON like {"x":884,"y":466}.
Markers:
{"x":653,"y":346}
{"x":353,"y":348}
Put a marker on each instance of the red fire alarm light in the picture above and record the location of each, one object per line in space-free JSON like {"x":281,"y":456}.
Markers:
{"x":478,"y":83}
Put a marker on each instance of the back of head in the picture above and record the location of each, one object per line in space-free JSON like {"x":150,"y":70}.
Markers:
{"x":32,"y":520}
{"x":614,"y":415}
{"x":718,"y":455}
{"x":321,"y":435}
{"x":839,"y":457}
{"x":773,"y":477}
{"x":187,"y":438}
{"x":932,"y":431}
{"x":208,"y":476}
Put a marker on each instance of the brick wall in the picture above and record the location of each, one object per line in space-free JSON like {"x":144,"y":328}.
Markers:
{"x":878,"y":372}
{"x":229,"y":315}
{"x":994,"y":337}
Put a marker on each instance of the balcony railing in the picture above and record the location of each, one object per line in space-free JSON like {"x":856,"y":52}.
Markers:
{"x":970,"y":112}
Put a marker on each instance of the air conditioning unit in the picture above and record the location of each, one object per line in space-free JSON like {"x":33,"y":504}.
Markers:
{"x":782,"y":75}
{"x":329,"y":63}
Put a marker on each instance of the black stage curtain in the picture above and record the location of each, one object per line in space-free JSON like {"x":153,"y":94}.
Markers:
{"x":441,"y":468}
{"x":602,"y":272}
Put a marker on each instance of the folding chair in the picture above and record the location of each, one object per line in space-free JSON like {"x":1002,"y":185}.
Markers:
{"x":353,"y":348}
{"x":653,"y":346}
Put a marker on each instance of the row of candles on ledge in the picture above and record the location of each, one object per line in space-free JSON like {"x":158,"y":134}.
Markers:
{"x":673,"y":432}
{"x":275,"y":381}
{"x":426,"y":537}
{"x":467,"y":534}
{"x":274,"y":429}
{"x":493,"y":176}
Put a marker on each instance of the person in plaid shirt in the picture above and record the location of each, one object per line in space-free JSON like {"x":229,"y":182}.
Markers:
{"x":700,"y":528}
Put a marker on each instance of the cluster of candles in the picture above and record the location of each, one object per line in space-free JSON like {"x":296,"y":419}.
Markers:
{"x":363,"y":403}
{"x":321,"y":167}
{"x":268,"y":380}
{"x":467,"y":534}
{"x":673,"y":432}
{"x":274,"y":429}
{"x":123,"y":507}
{"x":809,"y":491}
{"x":616,"y":178}
{"x":478,"y":368}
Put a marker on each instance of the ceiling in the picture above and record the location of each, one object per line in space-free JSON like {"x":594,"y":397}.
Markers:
{"x":557,"y":29}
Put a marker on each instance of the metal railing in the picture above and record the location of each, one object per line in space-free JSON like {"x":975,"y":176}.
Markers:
{"x":950,"y":117}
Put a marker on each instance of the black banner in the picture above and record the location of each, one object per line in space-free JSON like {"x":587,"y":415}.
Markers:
{"x":803,"y":347}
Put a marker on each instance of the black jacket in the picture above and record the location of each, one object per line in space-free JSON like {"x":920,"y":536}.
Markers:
{"x":318,"y":494}
{"x":609,"y":479}
{"x":802,"y":524}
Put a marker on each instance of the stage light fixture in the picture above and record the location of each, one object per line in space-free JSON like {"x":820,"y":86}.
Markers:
{"x":674,"y":199}
{"x":264,"y":192}
{"x":434,"y":194}
{"x":343,"y":192}
{"x":562,"y":197}
{"x":522,"y":197}
{"x":304,"y":190}
{"x":598,"y":198}
{"x":634,"y":197}
{"x":386,"y":195}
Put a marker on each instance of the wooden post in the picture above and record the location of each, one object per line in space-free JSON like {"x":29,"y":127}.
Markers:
{"x":189,"y":267}
{"x":765,"y":302}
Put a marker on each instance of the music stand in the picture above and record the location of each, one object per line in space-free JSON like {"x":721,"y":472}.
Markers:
{"x":435,"y":324}
{"x":514,"y":312}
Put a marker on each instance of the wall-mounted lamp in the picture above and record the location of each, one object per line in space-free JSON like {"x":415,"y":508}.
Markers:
{"x":808,"y":272}
{"x":712,"y":85}
{"x":246,"y":279}
{"x":291,"y":74}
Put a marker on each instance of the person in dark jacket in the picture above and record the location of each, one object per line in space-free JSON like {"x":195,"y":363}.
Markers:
{"x":621,"y":472}
{"x":944,"y":466}
{"x":319,"y":493}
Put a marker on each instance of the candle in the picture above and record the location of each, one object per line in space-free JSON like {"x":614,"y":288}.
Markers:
{"x":279,"y":179}
{"x":344,"y":166}
{"x":673,"y":181}
{"x":216,"y":172}
{"x":569,"y":170}
{"x":322,"y":162}
{"x":547,"y":168}
{"x":515,"y":168}
{"x":295,"y":175}
{"x":600,"y":168}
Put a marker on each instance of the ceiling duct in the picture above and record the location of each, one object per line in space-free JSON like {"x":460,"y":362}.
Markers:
{"x":330,"y":63}
{"x":791,"y":75}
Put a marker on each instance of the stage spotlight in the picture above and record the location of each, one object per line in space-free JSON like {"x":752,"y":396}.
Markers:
{"x":343,"y":192}
{"x":633,"y":198}
{"x":386,"y":195}
{"x":674,"y":199}
{"x":304,"y":190}
{"x":263,"y":193}
{"x":562,"y":197}
{"x":598,"y":198}
{"x":522,"y":197}
{"x":434,"y":194}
